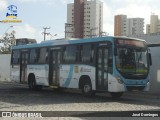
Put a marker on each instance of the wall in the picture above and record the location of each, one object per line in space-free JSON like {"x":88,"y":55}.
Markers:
{"x":5,"y":67}
{"x":155,"y":70}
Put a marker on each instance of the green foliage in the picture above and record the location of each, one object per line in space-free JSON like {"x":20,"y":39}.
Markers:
{"x":6,"y":42}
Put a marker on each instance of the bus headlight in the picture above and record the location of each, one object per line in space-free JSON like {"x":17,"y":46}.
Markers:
{"x":119,"y":80}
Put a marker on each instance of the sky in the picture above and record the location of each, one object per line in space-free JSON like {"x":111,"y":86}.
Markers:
{"x":36,"y":14}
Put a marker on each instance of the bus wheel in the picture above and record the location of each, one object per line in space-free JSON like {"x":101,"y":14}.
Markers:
{"x":87,"y":90}
{"x":32,"y":84}
{"x":116,"y":94}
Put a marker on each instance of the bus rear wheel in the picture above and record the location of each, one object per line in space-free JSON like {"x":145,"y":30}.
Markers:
{"x":116,"y":94}
{"x":87,"y":90}
{"x":32,"y":84}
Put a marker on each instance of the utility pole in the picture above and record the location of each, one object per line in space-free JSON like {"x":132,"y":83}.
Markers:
{"x":45,"y":28}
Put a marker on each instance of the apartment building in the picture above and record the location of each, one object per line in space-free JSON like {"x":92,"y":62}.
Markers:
{"x":84,"y":19}
{"x":120,"y":25}
{"x":154,"y":26}
{"x":124,"y":26}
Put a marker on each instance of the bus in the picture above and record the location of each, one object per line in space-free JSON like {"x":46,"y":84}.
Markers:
{"x":100,"y":64}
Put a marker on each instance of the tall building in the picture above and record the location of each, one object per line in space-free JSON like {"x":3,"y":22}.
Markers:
{"x":154,"y":26}
{"x":124,"y":26}
{"x":135,"y":26}
{"x":84,"y":19}
{"x":120,"y":25}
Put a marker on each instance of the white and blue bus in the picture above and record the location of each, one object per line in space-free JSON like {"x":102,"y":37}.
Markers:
{"x":112,"y":64}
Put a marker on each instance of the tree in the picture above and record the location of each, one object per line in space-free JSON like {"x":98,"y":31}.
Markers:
{"x":6,"y":43}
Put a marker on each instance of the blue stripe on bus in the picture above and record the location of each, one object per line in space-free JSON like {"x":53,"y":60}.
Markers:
{"x":63,"y":42}
{"x":69,"y":77}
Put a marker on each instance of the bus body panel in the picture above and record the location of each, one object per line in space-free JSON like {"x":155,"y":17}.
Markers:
{"x":114,"y":85}
{"x":15,"y":73}
{"x":40,"y":72}
{"x":70,"y":75}
{"x":147,"y":87}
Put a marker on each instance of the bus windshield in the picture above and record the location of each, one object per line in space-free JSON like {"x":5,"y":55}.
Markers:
{"x":131,"y":59}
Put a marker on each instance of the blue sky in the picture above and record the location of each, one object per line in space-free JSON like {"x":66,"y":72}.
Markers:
{"x":36,"y":14}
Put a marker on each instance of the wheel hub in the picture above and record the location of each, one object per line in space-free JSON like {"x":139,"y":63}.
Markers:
{"x":87,"y":88}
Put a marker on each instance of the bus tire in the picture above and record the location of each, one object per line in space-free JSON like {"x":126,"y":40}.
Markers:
{"x":116,"y":94}
{"x":87,"y":89}
{"x":32,"y":83}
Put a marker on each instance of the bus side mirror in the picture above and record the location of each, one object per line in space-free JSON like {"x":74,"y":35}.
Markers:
{"x":150,"y":58}
{"x":115,"y":51}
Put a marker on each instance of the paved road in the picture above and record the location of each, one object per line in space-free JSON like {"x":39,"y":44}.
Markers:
{"x":20,"y":98}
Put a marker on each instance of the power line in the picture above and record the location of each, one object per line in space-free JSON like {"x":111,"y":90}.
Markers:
{"x":45,"y":33}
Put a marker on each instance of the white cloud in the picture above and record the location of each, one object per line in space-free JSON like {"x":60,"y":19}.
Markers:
{"x":27,"y":31}
{"x":109,"y":28}
{"x":134,"y":11}
{"x":3,"y":4}
{"x":107,"y":19}
{"x":47,"y":2}
{"x":66,"y":1}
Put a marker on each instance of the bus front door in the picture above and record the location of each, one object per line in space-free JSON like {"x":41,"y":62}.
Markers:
{"x":23,"y":66}
{"x":54,"y":67}
{"x":102,"y":69}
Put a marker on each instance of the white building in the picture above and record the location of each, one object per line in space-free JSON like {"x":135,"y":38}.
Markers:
{"x":134,"y":26}
{"x":154,"y":26}
{"x":91,"y":21}
{"x":124,"y":26}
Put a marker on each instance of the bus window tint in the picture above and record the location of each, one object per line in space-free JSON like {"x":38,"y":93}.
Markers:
{"x":69,"y":54}
{"x":87,"y":53}
{"x":110,"y":61}
{"x":32,"y":56}
{"x":42,"y":55}
{"x":16,"y":55}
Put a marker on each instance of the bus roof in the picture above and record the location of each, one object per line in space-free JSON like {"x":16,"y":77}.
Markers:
{"x":71,"y":41}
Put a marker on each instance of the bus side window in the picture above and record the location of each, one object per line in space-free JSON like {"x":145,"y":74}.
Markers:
{"x":15,"y":57}
{"x":37,"y":55}
{"x":110,"y":61}
{"x":87,"y":53}
{"x":69,"y":55}
{"x":77,"y":53}
{"x":80,"y":53}
{"x":42,"y":55}
{"x":32,"y":56}
{"x":46,"y":58}
{"x":64,"y":55}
